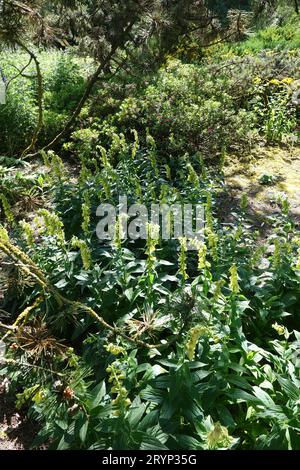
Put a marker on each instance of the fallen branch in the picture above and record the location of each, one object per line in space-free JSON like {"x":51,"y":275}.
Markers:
{"x":30,"y":268}
{"x":8,"y":327}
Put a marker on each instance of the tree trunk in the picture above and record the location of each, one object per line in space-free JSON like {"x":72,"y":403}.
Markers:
{"x":40,"y":99}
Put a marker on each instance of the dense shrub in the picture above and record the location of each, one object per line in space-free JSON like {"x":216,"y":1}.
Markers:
{"x":63,"y":83}
{"x":224,"y":103}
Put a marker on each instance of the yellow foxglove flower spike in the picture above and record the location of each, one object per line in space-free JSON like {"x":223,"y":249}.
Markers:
{"x":234,"y":283}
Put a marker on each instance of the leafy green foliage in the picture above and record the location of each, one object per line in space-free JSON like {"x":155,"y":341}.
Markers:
{"x":63,"y":83}
{"x":224,"y":371}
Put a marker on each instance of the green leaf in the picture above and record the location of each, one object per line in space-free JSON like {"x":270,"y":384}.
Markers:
{"x":290,"y":389}
{"x":263,"y":396}
{"x":83,"y":431}
{"x":152,"y":395}
{"x":63,"y":444}
{"x":61,"y":284}
{"x":97,"y":394}
{"x":136,"y":413}
{"x":152,"y":443}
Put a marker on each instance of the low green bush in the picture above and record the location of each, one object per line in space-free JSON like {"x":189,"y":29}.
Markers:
{"x":63,"y":84}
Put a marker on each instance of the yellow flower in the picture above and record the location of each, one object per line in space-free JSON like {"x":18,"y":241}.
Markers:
{"x":280,"y":329}
{"x":118,"y":232}
{"x":152,"y":241}
{"x":194,"y":335}
{"x":202,"y":263}
{"x":192,"y":176}
{"x":3,"y":234}
{"x":6,"y":209}
{"x":114,"y":349}
{"x":39,"y":396}
{"x":183,"y":259}
{"x":212,"y":243}
{"x":233,"y":283}
{"x":136,"y":144}
{"x":288,"y":80}
{"x":218,"y":289}
{"x":28,"y":232}
{"x":84,"y":252}
{"x":257,"y":80}
{"x":53,"y":224}
{"x":219,"y":437}
{"x":86,"y":210}
{"x":168,"y":171}
{"x":298,"y":261}
{"x":275,"y":82}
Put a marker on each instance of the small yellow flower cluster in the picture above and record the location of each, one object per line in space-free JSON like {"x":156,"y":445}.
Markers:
{"x":202,"y":252}
{"x":298,"y":261}
{"x":194,"y":334}
{"x":152,"y":242}
{"x":84,"y":252}
{"x":118,"y":232}
{"x":219,"y":437}
{"x":256,"y":80}
{"x":135,"y":145}
{"x":3,"y":234}
{"x":212,"y":239}
{"x":150,"y":140}
{"x":288,"y":80}
{"x":116,"y":378}
{"x":28,"y":232}
{"x":86,"y":214}
{"x":183,"y":258}
{"x":192,"y":176}
{"x":56,"y":164}
{"x":39,"y":396}
{"x":280,"y":329}
{"x":103,"y":156}
{"x":218,"y":289}
{"x":285,"y":81}
{"x":53,"y":224}
{"x":6,"y":209}
{"x":233,"y":281}
{"x":274,"y":81}
{"x":115,"y":349}
{"x":277,"y":253}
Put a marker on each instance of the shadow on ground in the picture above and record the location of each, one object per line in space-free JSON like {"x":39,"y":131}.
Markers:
{"x":16,"y":432}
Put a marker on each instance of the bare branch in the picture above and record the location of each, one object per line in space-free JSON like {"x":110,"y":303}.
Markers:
{"x":20,"y":72}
